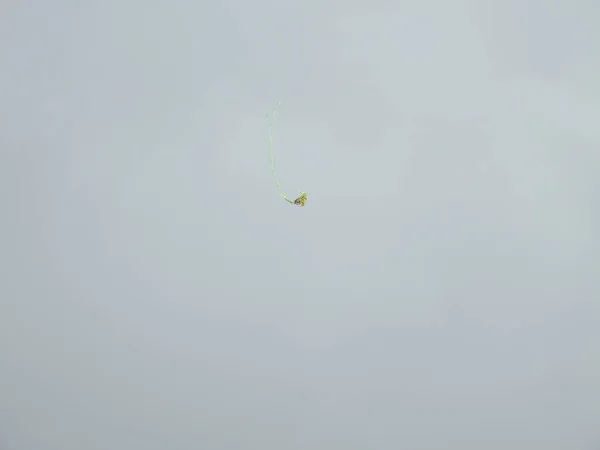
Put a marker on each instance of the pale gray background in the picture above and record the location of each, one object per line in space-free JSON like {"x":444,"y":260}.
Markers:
{"x":440,"y":290}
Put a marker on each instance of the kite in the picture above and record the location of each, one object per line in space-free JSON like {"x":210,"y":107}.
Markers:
{"x":300,"y":201}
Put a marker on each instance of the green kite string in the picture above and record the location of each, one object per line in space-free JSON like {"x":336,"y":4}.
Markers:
{"x":270,"y":118}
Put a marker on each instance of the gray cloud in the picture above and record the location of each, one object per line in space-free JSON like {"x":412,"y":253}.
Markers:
{"x":439,"y":291}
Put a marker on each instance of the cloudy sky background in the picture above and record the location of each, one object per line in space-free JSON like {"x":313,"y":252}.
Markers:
{"x":439,"y":291}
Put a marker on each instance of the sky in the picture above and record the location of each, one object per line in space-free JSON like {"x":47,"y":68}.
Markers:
{"x":440,"y":290}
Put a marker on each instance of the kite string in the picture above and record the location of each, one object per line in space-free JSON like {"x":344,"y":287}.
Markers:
{"x":270,"y":121}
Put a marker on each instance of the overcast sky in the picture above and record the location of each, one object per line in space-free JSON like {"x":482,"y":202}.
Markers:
{"x":440,"y":290}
